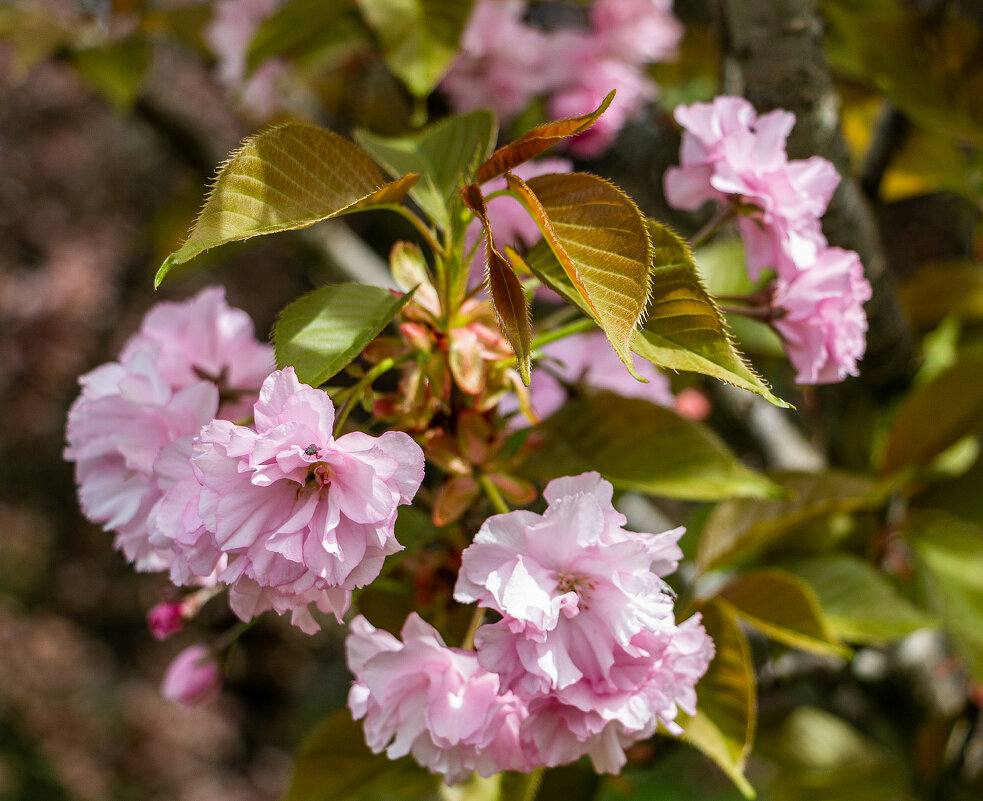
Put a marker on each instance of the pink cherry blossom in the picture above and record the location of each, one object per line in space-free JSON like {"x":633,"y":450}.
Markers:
{"x":588,"y":360}
{"x":822,"y":320}
{"x":730,"y":154}
{"x":437,"y":703}
{"x":206,"y":339}
{"x":572,"y":585}
{"x":637,"y":31}
{"x":194,"y":678}
{"x":302,"y":517}
{"x":126,"y":413}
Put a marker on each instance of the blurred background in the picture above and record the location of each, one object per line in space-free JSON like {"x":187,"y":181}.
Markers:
{"x":113,"y":116}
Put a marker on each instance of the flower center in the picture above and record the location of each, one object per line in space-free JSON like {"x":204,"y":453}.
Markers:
{"x":574,"y":582}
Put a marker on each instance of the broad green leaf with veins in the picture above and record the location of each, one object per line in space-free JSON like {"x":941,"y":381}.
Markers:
{"x":286,"y":177}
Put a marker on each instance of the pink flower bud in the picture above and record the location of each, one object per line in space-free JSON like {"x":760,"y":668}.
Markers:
{"x":692,"y":403}
{"x":165,"y":619}
{"x":193,"y":678}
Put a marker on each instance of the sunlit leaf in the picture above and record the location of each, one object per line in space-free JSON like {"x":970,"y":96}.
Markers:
{"x":419,"y":38}
{"x":641,"y":446}
{"x":334,"y":764}
{"x":949,"y":559}
{"x":445,"y":154}
{"x":739,"y":528}
{"x":311,"y":32}
{"x":859,"y":604}
{"x":601,"y":240}
{"x":936,"y":415}
{"x":508,"y":298}
{"x":783,"y":607}
{"x":321,"y":332}
{"x":289,"y":176}
{"x":537,"y":140}
{"x":724,"y":724}
{"x":684,"y":329}
{"x":934,"y":291}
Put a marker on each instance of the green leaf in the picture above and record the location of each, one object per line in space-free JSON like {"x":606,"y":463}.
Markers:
{"x":321,"y":332}
{"x":684,"y":329}
{"x":474,"y":789}
{"x":116,"y":69}
{"x":288,"y":176}
{"x":724,"y":723}
{"x":537,"y":140}
{"x":311,"y":32}
{"x":419,"y":38}
{"x":640,"y":446}
{"x":445,"y":155}
{"x":739,"y":528}
{"x":859,"y":604}
{"x":601,"y":240}
{"x":936,"y":415}
{"x":508,"y":298}
{"x":949,"y":556}
{"x":783,"y":607}
{"x":334,"y":764}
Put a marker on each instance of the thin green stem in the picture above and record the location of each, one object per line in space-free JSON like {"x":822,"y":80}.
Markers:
{"x":476,"y":620}
{"x":493,"y":494}
{"x":230,"y":637}
{"x":723,"y":216}
{"x":529,"y":785}
{"x":576,"y":327}
{"x":358,"y":389}
{"x":428,"y":234}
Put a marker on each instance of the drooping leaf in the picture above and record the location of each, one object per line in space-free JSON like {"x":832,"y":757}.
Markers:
{"x":445,"y":154}
{"x":537,"y":140}
{"x":286,"y":177}
{"x":949,"y":559}
{"x":859,"y":604}
{"x":601,"y":240}
{"x":783,"y":607}
{"x":419,"y":38}
{"x":117,"y":69}
{"x":684,"y":329}
{"x":644,"y":447}
{"x":724,"y":723}
{"x":508,"y":298}
{"x":936,"y":415}
{"x":311,"y":32}
{"x":321,"y":332}
{"x":738,"y":528}
{"x":334,"y":764}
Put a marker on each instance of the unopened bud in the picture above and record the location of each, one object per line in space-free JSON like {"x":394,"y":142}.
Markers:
{"x":194,"y":677}
{"x":165,"y":619}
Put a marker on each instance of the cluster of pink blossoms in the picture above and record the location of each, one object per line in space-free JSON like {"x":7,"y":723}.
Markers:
{"x":585,"y":660}
{"x":280,"y":511}
{"x":731,"y":155}
{"x":505,"y":63}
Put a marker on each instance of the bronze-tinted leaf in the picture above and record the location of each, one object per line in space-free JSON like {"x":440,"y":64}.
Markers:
{"x":536,"y":140}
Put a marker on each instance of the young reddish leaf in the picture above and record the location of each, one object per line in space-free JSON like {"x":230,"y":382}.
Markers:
{"x":602,"y":241}
{"x":508,"y":297}
{"x":536,"y":140}
{"x":453,"y":498}
{"x":286,"y":177}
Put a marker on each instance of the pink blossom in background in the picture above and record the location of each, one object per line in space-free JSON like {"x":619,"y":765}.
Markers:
{"x":730,"y":154}
{"x":302,"y":517}
{"x":126,"y":413}
{"x":194,"y":678}
{"x":822,"y":322}
{"x":437,"y":703}
{"x":205,"y":338}
{"x":588,"y":360}
{"x":637,"y":31}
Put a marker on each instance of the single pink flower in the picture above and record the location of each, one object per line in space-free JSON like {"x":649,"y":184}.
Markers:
{"x":165,"y":619}
{"x":301,"y":516}
{"x":637,"y":31}
{"x":572,"y":586}
{"x":730,"y":154}
{"x":822,"y":319}
{"x":437,"y":703}
{"x":194,"y":678}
